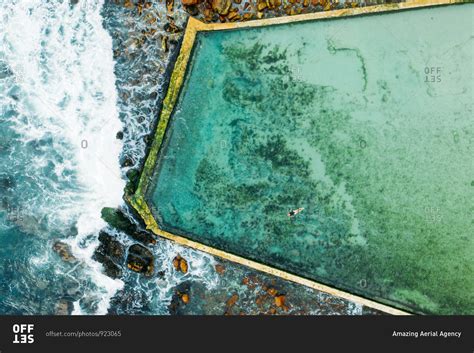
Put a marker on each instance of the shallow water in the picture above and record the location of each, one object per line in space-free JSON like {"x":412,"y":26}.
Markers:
{"x":365,"y":124}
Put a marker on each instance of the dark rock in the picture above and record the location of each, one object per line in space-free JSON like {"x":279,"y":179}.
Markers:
{"x":177,"y":303}
{"x":220,"y":269}
{"x":64,"y":251}
{"x":110,"y":253}
{"x":170,"y":27}
{"x":111,"y":247}
{"x":119,"y":135}
{"x":116,"y":219}
{"x":143,"y":237}
{"x":153,"y":95}
{"x":63,"y":307}
{"x":111,"y":269}
{"x":192,"y":10}
{"x":127,"y":162}
{"x":133,"y":176}
{"x":173,"y":42}
{"x":147,"y":139}
{"x":140,"y":259}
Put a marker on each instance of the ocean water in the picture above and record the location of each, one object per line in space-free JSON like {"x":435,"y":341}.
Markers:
{"x":59,"y":158}
{"x":365,"y":122}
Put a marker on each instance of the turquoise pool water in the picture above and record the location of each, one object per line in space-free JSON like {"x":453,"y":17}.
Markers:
{"x":365,"y":122}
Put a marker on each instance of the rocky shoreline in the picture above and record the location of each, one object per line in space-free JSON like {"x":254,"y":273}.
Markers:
{"x":241,"y":290}
{"x":245,"y":10}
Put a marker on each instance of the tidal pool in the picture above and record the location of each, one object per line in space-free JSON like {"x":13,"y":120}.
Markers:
{"x":365,"y":122}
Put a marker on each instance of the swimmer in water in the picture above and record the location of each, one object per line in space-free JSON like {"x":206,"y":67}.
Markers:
{"x":295,"y":212}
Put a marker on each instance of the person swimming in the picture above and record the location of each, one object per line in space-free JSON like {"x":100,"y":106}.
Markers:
{"x":295,"y":212}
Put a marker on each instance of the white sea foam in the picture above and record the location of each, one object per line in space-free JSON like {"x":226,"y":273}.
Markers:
{"x":62,"y":59}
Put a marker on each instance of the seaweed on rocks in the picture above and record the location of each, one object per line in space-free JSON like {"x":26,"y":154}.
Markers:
{"x":133,"y":176}
{"x":118,"y":220}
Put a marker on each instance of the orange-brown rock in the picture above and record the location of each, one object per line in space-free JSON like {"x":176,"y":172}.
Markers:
{"x":169,"y":5}
{"x":273,"y":4}
{"x":150,"y":19}
{"x":247,"y":16}
{"x":180,"y":264}
{"x":189,"y":2}
{"x":220,"y":269}
{"x":165,"y":48}
{"x":176,"y":261}
{"x":183,"y":266}
{"x":135,"y":267}
{"x":262,"y":5}
{"x":232,"y":300}
{"x":280,"y":301}
{"x":245,"y":281}
{"x":185,"y":298}
{"x":306,"y":3}
{"x":222,"y":7}
{"x":272,"y":291}
{"x":233,"y":14}
{"x":140,"y":259}
{"x":64,"y":251}
{"x":208,"y":15}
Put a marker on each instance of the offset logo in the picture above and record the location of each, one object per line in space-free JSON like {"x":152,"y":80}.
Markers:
{"x":23,"y":333}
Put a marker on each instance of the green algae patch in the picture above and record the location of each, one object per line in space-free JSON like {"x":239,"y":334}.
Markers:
{"x":365,"y":125}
